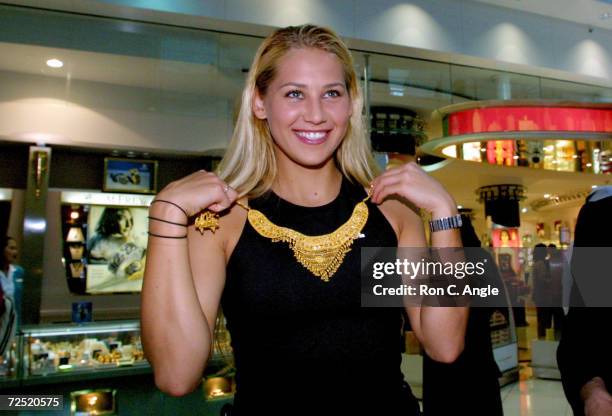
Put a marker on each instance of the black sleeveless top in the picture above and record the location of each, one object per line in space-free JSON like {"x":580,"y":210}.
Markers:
{"x":302,"y":345}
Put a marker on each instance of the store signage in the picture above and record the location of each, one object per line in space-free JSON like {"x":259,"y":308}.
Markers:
{"x":99,"y":198}
{"x":532,"y":118}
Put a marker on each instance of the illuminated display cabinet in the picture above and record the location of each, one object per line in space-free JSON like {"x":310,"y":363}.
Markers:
{"x":54,"y":349}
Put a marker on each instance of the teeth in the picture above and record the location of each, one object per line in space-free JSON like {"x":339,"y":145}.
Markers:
{"x":312,"y":135}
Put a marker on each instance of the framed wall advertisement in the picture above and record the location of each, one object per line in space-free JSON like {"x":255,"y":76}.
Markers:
{"x":116,"y":249}
{"x":130,"y":175}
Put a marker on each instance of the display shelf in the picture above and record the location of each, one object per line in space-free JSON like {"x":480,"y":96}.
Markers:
{"x":92,"y":350}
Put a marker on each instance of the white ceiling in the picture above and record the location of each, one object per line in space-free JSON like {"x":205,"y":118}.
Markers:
{"x":587,"y":12}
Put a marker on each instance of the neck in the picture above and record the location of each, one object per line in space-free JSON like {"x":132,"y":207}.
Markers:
{"x":305,"y":186}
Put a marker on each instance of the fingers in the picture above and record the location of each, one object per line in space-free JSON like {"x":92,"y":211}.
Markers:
{"x":403,"y":176}
{"x":223,"y":196}
{"x":382,"y":184}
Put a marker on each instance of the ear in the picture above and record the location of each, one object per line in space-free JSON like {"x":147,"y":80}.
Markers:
{"x":259,"y":109}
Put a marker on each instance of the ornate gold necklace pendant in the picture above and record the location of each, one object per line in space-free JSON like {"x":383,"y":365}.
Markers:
{"x":321,"y":254}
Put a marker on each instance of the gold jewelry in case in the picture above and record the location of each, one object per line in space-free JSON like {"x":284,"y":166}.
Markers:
{"x":323,"y":254}
{"x":76,"y":269}
{"x":76,"y":252}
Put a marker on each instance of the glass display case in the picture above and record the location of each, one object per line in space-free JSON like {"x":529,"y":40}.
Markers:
{"x":9,"y":363}
{"x":56,"y":349}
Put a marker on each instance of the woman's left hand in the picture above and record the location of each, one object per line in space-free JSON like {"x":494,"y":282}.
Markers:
{"x":411,"y":182}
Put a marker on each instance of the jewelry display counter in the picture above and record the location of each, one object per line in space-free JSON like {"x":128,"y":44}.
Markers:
{"x":107,"y":359}
{"x":67,"y":352}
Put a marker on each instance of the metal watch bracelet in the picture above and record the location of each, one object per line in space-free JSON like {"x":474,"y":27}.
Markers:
{"x":446,"y":223}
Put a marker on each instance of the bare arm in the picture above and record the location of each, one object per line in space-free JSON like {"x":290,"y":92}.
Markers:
{"x":441,"y":330}
{"x":182,"y":287}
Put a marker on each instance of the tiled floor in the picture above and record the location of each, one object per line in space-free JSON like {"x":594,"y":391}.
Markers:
{"x":535,"y":397}
{"x":532,"y":396}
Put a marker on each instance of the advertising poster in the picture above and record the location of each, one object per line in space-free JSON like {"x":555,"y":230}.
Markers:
{"x":116,"y":249}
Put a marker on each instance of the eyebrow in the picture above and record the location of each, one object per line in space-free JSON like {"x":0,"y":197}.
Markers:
{"x":295,"y":84}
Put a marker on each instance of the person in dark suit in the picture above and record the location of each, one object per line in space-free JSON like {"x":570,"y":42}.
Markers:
{"x":470,"y":385}
{"x":585,"y":351}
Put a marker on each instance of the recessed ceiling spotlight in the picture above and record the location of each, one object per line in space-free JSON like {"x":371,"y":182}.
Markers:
{"x":546,"y":196}
{"x":55,"y":63}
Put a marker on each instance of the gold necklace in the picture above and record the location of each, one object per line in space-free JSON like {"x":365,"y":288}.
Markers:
{"x":321,"y":254}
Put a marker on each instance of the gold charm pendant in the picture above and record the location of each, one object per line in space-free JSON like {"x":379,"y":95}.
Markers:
{"x":207,"y":220}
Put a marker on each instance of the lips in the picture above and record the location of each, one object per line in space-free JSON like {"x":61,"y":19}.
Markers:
{"x":312,"y":137}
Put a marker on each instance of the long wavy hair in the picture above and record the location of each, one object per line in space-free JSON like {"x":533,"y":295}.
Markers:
{"x":249,"y":165}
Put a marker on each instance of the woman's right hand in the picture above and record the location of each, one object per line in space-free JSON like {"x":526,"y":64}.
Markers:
{"x":198,"y":191}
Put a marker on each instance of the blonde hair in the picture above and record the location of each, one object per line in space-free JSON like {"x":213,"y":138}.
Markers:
{"x":249,"y":165}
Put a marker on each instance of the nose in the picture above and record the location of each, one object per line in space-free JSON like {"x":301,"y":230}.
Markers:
{"x":314,"y":112}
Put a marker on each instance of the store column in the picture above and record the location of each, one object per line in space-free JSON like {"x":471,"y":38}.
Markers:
{"x":34,"y":228}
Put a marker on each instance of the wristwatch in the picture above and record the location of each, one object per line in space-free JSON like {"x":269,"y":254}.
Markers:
{"x":446,"y":223}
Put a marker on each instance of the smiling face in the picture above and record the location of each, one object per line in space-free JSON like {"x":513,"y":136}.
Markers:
{"x":125,"y":222}
{"x":307,"y":107}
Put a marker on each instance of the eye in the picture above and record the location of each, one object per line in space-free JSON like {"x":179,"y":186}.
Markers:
{"x":333,"y":93}
{"x":294,"y":94}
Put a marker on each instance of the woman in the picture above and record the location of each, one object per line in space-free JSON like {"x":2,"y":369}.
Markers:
{"x":11,"y":282}
{"x":298,"y":156}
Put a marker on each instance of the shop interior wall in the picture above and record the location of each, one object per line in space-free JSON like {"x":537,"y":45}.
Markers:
{"x":13,"y":168}
{"x":83,"y":169}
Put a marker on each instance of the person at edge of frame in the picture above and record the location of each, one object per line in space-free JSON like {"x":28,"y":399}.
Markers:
{"x":584,"y":352}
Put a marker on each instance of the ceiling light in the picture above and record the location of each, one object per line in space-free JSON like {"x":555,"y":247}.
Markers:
{"x":546,"y":196}
{"x":605,"y":16}
{"x":574,"y":156}
{"x":524,"y":210}
{"x":593,"y":186}
{"x":55,"y":63}
{"x":459,"y":206}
